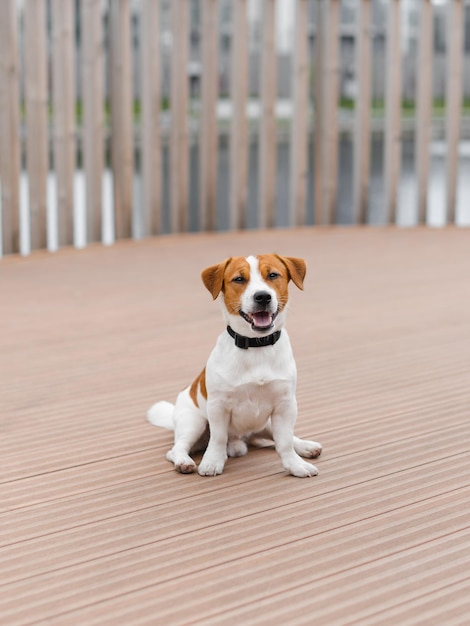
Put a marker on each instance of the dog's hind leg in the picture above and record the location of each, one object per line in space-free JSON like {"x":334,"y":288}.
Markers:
{"x":236,"y":446}
{"x":304,"y":447}
{"x":190,"y":426}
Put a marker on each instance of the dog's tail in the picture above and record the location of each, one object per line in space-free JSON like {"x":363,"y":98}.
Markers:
{"x":161,"y":414}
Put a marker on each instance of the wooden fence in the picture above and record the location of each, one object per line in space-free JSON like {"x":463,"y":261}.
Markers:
{"x":46,"y":128}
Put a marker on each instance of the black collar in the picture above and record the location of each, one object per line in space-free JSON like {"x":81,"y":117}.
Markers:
{"x":253,"y":342}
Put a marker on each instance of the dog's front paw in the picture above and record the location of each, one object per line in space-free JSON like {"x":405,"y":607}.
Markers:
{"x":307,"y":449}
{"x":302,"y":470}
{"x":183,"y":462}
{"x":211,"y":467}
{"x":186,"y":468}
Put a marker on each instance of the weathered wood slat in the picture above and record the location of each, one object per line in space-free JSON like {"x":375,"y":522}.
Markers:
{"x":179,"y":137}
{"x":37,"y":130}
{"x":268,"y":124}
{"x":300,"y":118}
{"x":151,"y":105}
{"x":122,"y":131}
{"x":208,"y":133}
{"x":63,"y":80}
{"x":393,"y":91}
{"x":239,"y":127}
{"x":93,"y":119}
{"x":362,"y":112}
{"x":326,"y":110}
{"x":423,"y":124}
{"x":9,"y":127}
{"x":455,"y":26}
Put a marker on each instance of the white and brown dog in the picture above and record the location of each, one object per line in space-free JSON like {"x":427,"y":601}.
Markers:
{"x":246,"y":392}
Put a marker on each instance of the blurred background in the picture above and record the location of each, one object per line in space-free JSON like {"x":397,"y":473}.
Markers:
{"x":126,"y":118}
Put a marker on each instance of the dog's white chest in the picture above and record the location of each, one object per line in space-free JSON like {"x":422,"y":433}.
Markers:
{"x":251,"y":405}
{"x":250,"y":385}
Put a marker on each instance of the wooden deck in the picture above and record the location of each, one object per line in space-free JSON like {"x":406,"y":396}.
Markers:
{"x":97,"y":528}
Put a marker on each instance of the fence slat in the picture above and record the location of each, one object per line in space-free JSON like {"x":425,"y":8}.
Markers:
{"x":150,"y":129}
{"x":121,"y":116}
{"x":239,"y":128}
{"x":361,"y":159}
{"x":326,"y":110}
{"x":208,"y":122}
{"x":39,"y":53}
{"x":423,"y":106}
{"x":63,"y":74}
{"x":179,"y":148}
{"x":299,"y":125}
{"x":268,"y":131}
{"x":392,"y":145}
{"x":9,"y":126}
{"x":93,"y":154}
{"x":36,"y":118}
{"x":453,"y":102}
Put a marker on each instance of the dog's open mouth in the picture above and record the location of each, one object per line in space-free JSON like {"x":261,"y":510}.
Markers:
{"x":260,"y":320}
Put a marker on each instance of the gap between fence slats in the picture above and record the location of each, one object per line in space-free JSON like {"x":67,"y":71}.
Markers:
{"x":423,"y":107}
{"x":361,"y":160}
{"x":455,"y":26}
{"x":268,"y":131}
{"x":36,"y":99}
{"x":208,"y":136}
{"x":299,"y":123}
{"x":239,"y":126}
{"x":179,"y":144}
{"x":92,"y":77}
{"x":121,"y":116}
{"x":9,"y":127}
{"x":150,"y":129}
{"x":392,"y":143}
{"x":326,"y":110}
{"x":63,"y":75}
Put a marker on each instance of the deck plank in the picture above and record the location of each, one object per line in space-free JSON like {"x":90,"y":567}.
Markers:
{"x":97,"y":528}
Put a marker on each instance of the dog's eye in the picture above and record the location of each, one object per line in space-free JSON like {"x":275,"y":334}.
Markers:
{"x":238,"y":279}
{"x":273,"y":275}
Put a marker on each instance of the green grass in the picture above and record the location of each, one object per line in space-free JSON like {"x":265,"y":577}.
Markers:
{"x":408,"y":106}
{"x":347,"y":104}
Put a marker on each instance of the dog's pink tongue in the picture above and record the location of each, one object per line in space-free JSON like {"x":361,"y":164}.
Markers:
{"x":262,"y":319}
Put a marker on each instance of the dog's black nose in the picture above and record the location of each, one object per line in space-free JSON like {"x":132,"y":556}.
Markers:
{"x":262,"y":297}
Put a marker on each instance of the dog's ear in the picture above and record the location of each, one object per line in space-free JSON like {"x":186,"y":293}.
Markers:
{"x":213,"y":277}
{"x":296,"y":268}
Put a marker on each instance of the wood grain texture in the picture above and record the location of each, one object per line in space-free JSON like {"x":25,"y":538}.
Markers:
{"x":239,"y":128}
{"x":326,"y":111}
{"x":393,"y":97}
{"x":151,"y":110}
{"x":300,"y":120}
{"x":122,"y":126}
{"x":37,"y":124}
{"x":97,"y":528}
{"x":63,"y":98}
{"x":423,"y":107}
{"x":93,"y":117}
{"x":9,"y":127}
{"x":268,"y":122}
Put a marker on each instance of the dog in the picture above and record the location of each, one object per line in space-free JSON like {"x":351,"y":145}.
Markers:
{"x":246,"y":392}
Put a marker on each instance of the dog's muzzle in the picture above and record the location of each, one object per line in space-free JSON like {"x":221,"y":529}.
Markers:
{"x":261,"y":318}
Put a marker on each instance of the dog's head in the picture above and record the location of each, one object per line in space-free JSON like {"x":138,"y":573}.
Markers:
{"x":254,"y":290}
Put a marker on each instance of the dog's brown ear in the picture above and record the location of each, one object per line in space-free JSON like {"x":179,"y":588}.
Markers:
{"x":296,"y":268}
{"x":213,"y":277}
